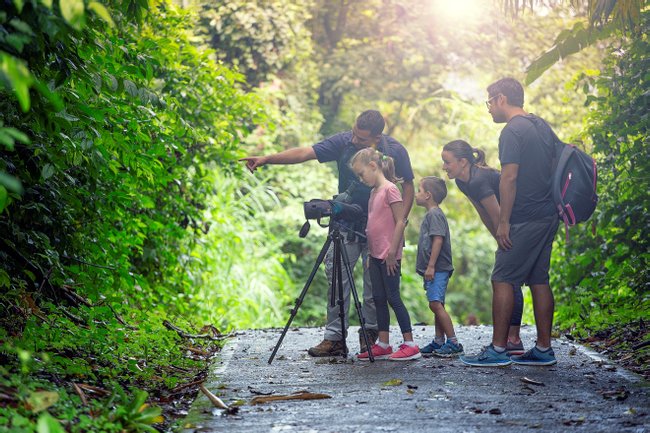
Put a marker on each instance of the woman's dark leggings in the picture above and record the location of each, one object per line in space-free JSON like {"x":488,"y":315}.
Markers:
{"x":385,"y":290}
{"x":518,"y":306}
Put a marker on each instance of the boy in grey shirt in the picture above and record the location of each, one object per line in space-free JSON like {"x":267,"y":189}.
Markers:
{"x":435,"y":265}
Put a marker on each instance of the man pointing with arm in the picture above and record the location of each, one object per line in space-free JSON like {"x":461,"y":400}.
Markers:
{"x":366,"y":132}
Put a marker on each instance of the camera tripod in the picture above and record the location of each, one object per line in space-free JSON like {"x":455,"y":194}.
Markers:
{"x":340,"y":257}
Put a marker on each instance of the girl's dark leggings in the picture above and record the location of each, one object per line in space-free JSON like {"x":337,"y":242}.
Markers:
{"x":385,"y":290}
{"x":518,"y":307}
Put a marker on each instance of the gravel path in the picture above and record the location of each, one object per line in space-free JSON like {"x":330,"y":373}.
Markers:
{"x":580,"y":394}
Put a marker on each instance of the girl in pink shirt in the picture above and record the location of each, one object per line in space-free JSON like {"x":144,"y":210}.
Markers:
{"x":385,"y":232}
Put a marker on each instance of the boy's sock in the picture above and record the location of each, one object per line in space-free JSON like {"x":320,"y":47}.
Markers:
{"x":541,"y":348}
{"x":453,"y":339}
{"x":498,"y":349}
{"x":383,"y":345}
{"x":439,"y":340}
{"x":410,"y":343}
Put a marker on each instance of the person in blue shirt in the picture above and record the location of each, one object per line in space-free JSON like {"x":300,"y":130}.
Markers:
{"x":366,"y":132}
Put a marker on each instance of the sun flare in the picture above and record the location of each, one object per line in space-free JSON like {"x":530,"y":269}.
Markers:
{"x":458,"y":10}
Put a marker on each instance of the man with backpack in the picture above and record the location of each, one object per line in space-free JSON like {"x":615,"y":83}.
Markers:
{"x":528,"y":222}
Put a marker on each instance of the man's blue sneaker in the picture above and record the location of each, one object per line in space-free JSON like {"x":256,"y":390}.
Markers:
{"x":449,"y":349}
{"x":430,"y":348}
{"x":535,"y":357}
{"x":487,"y":358}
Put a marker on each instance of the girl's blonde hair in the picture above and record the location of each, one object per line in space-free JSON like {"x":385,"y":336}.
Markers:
{"x":384,"y":162}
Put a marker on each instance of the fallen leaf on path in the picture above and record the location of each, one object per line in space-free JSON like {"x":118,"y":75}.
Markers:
{"x":531,"y":381}
{"x":301,"y":395}
{"x":393,"y":382}
{"x":529,"y":389}
{"x":616,"y":394}
{"x":578,"y":421}
{"x":630,"y":411}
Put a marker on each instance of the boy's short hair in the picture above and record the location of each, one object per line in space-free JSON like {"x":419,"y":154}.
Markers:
{"x":436,"y":187}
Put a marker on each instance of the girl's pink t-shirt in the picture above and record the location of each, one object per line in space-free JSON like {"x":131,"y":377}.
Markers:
{"x":381,"y":224}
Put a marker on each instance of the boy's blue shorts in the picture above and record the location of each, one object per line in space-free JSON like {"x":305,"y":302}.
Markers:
{"x":437,"y":287}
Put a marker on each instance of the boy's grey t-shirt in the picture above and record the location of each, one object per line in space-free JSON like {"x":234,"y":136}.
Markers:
{"x":434,"y":224}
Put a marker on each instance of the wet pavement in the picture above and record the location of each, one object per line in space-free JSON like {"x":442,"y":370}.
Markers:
{"x":582,"y":393}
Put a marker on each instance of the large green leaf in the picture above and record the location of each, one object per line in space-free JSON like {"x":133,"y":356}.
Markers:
{"x":73,"y":12}
{"x":568,"y":42}
{"x":18,"y":77}
{"x":103,"y":13}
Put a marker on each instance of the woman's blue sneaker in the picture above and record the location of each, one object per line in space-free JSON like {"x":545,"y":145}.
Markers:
{"x":449,"y":349}
{"x":430,"y":348}
{"x":487,"y":358}
{"x":515,"y":348}
{"x":536,"y":357}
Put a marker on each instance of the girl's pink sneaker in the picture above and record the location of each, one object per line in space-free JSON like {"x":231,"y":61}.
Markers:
{"x":378,"y":353}
{"x":405,"y":353}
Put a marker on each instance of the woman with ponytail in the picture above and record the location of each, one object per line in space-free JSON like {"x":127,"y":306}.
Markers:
{"x":480,"y":183}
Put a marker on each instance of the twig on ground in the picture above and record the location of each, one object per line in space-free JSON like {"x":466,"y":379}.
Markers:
{"x":76,"y":319}
{"x":80,"y":393}
{"x":216,"y":401}
{"x":179,"y":388}
{"x":119,"y":319}
{"x":75,"y":297}
{"x":94,"y":389}
{"x":167,"y":324}
{"x":301,"y":395}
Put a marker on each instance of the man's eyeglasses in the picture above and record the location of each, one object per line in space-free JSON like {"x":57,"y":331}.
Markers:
{"x":488,"y":103}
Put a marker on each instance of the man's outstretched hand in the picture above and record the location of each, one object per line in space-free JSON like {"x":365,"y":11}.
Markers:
{"x":252,"y":162}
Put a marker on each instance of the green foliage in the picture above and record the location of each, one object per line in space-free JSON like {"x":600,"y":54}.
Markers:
{"x":117,"y":157}
{"x":258,"y":37}
{"x":568,"y":42}
{"x":603,"y":275}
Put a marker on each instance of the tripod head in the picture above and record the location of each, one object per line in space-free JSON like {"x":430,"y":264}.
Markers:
{"x":341,"y":216}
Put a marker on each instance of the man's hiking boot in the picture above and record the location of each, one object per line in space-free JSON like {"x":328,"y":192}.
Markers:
{"x":328,"y":348}
{"x":372,"y":339}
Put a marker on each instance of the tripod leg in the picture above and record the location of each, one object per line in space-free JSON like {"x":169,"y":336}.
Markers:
{"x":357,"y":304}
{"x":301,"y":297}
{"x":337,"y":276}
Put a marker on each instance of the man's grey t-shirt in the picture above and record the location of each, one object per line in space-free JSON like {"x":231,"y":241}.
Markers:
{"x":434,"y":224}
{"x":527,"y":141}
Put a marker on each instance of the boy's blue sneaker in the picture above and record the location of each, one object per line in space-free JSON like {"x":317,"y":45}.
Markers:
{"x":488,"y":357}
{"x":430,"y":348}
{"x":449,"y":349}
{"x":535,"y":357}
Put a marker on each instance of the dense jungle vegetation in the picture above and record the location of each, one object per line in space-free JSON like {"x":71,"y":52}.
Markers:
{"x":132,"y":240}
